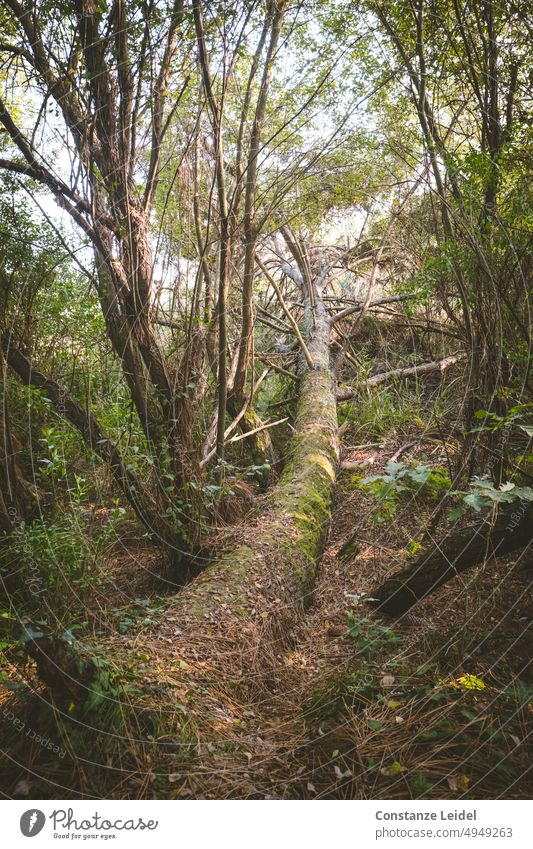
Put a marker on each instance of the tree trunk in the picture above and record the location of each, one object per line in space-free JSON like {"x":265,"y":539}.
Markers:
{"x":512,"y":530}
{"x":271,"y":572}
{"x":18,"y":497}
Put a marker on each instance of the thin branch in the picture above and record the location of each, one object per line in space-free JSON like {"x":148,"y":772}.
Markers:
{"x":277,"y":368}
{"x":265,"y":426}
{"x":392,"y":299}
{"x":286,"y":310}
{"x":209,"y":454}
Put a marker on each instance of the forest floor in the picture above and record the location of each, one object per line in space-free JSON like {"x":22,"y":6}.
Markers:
{"x":379,"y":714}
{"x":338,"y":708}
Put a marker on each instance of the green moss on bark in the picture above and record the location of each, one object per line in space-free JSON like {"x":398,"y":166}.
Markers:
{"x":276,"y":562}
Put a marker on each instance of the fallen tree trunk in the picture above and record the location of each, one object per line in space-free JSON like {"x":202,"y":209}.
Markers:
{"x":512,"y":530}
{"x":346,"y":392}
{"x":233,"y":614}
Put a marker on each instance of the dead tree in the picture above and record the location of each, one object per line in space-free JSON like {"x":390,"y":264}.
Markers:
{"x":512,"y":530}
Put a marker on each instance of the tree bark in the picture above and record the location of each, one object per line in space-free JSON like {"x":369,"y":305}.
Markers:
{"x":274,"y":14}
{"x":100,"y":101}
{"x":18,"y":497}
{"x":512,"y":530}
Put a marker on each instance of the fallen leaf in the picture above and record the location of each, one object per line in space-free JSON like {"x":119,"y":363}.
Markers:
{"x":458,"y":782}
{"x":394,"y":769}
{"x":340,"y":774}
{"x":336,"y":630}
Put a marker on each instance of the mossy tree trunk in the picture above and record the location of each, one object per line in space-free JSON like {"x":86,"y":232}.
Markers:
{"x":512,"y":530}
{"x":264,"y":580}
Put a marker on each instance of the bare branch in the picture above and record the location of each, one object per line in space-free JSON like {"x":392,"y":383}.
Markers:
{"x":345,"y":393}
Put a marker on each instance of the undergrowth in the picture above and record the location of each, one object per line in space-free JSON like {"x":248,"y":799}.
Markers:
{"x":420,"y":731}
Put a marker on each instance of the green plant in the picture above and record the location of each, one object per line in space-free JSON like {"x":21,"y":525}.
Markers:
{"x":141,"y":614}
{"x":514,"y":418}
{"x":53,"y":554}
{"x":420,"y":479}
{"x":482,"y":493}
{"x":361,"y":685}
{"x":108,"y":686}
{"x":379,"y":414}
{"x":53,"y":465}
{"x":370,"y":635}
{"x":413,"y":547}
{"x":420,"y":785}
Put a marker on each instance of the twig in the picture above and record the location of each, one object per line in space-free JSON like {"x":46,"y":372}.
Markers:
{"x":392,"y":299}
{"x":210,"y":454}
{"x":289,"y":400}
{"x":262,"y":320}
{"x":257,"y":430}
{"x":396,"y":456}
{"x":276,"y":367}
{"x":282,"y":325}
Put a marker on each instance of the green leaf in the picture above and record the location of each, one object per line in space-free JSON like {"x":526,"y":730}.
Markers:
{"x":524,"y":493}
{"x":482,"y":483}
{"x":456,"y":513}
{"x":394,"y":769}
{"x":372,"y":479}
{"x":420,"y":784}
{"x":500,"y":497}
{"x":395,"y":470}
{"x":420,"y":474}
{"x":477,"y":501}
